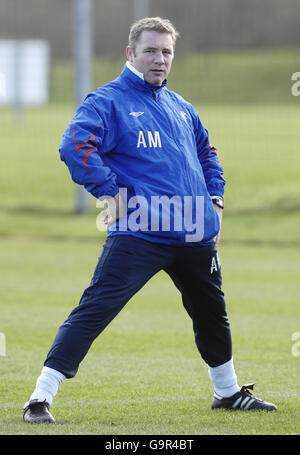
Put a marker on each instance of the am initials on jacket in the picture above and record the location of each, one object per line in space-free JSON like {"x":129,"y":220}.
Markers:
{"x":149,"y":139}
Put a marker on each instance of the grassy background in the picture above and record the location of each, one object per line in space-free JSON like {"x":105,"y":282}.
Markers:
{"x":237,"y":76}
{"x":144,"y":374}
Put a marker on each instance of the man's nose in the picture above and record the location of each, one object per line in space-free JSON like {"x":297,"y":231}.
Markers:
{"x":159,"y":58}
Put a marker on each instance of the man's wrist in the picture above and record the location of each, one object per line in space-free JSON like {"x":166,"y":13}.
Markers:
{"x":218,"y":201}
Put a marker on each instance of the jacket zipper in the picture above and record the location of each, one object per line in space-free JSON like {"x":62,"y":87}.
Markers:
{"x":155,"y":95}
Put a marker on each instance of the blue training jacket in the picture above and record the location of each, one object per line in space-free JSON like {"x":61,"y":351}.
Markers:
{"x":149,"y":143}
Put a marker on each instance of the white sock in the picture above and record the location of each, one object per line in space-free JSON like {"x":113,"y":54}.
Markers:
{"x":224,"y":379}
{"x":47,"y":384}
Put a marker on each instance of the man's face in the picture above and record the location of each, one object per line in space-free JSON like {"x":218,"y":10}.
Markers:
{"x":152,"y":56}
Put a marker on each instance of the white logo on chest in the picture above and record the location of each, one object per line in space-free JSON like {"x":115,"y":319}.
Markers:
{"x":149,"y":140}
{"x":183,"y":115}
{"x":136,"y":114}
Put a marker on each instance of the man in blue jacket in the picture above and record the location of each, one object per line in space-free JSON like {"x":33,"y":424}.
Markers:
{"x":143,"y":149}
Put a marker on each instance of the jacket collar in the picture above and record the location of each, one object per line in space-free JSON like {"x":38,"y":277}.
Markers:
{"x":134,"y":70}
{"x":136,"y":80}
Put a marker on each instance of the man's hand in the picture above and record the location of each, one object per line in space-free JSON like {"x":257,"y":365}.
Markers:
{"x":115,"y":210}
{"x":220,"y":213}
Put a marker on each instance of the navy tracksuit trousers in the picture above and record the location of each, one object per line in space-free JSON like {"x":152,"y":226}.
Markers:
{"x":125,"y":265}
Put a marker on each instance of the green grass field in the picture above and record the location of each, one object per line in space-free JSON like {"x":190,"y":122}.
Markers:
{"x":143,"y":375}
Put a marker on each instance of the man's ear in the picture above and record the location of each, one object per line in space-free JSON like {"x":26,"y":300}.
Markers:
{"x":129,"y":54}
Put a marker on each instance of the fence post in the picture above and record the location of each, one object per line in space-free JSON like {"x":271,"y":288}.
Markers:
{"x":141,"y":9}
{"x":82,"y":42}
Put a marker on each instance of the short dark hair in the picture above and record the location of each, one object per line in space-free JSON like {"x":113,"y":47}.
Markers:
{"x":156,"y":24}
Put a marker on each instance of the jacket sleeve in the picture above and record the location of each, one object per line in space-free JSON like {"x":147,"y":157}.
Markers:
{"x":80,"y":150}
{"x":207,"y":154}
